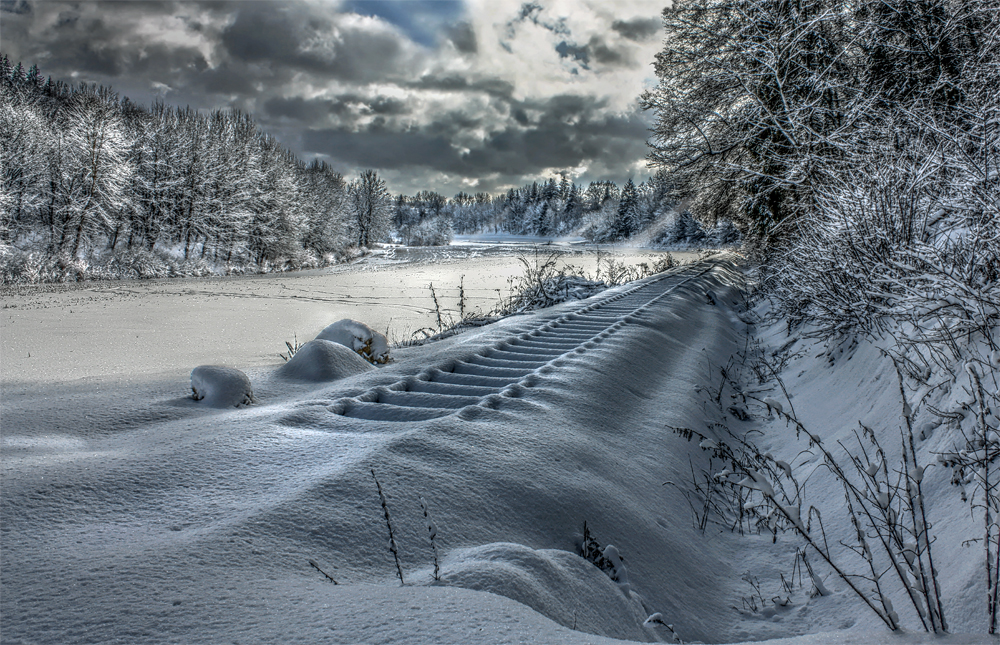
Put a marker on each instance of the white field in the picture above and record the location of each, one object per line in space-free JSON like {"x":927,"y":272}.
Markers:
{"x":133,"y":514}
{"x":130,"y":329}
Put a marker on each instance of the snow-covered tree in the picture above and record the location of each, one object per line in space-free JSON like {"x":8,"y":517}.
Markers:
{"x":22,"y":165}
{"x":371,"y":205}
{"x":99,"y":152}
{"x":326,"y":212}
{"x":627,"y":220}
{"x":750,"y":99}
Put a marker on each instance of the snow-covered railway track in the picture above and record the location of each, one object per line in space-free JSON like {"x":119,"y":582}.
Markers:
{"x":509,"y":366}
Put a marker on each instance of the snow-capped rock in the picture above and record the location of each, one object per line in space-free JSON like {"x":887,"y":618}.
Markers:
{"x":368,"y":343}
{"x":323,"y":360}
{"x":220,"y":387}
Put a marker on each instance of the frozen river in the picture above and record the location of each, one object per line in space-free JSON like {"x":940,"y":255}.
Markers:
{"x":131,"y":329}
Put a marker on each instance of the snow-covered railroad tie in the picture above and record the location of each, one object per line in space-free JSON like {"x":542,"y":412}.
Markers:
{"x":511,"y":365}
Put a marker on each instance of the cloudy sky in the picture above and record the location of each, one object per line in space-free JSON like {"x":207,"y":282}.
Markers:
{"x":445,"y":95}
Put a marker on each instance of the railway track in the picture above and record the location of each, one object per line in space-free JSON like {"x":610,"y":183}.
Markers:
{"x":507,"y":367}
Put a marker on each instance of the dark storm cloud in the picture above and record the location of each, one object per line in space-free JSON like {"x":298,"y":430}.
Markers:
{"x":344,"y":105}
{"x":96,"y":45}
{"x":15,"y":6}
{"x":381,"y":149}
{"x":280,"y":38}
{"x":637,"y":28}
{"x":273,"y":41}
{"x":605,"y":54}
{"x":570,"y":129}
{"x":455,"y":83}
{"x":225,"y":79}
{"x":260,"y":33}
{"x":357,"y":90}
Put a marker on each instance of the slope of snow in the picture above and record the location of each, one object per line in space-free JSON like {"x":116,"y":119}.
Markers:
{"x":132,"y":514}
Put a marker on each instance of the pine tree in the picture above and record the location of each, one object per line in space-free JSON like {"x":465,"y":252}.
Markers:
{"x":573,"y":207}
{"x":550,"y":191}
{"x":627,"y":217}
{"x":564,"y":186}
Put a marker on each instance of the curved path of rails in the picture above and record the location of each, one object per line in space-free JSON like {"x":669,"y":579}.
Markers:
{"x":509,"y":366}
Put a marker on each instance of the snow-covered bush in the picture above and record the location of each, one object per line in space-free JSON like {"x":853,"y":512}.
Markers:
{"x":888,"y":252}
{"x":359,"y":337}
{"x":323,"y":360}
{"x":433,"y":232}
{"x":26,"y":267}
{"x":221,"y":387}
{"x":543,"y":284}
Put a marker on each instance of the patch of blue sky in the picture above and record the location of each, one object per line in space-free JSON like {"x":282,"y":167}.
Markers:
{"x":421,"y":20}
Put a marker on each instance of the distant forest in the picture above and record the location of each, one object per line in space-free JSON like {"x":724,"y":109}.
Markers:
{"x":601,"y":212}
{"x":97,"y":186}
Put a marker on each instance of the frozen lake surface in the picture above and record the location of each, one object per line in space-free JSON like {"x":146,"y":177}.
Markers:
{"x":124,"y":330}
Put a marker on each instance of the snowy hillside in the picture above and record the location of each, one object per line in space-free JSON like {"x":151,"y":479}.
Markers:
{"x":137,"y":514}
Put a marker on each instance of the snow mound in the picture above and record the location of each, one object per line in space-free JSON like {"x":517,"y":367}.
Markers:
{"x":557,"y":584}
{"x":368,"y":343}
{"x":221,"y":387}
{"x":323,"y":360}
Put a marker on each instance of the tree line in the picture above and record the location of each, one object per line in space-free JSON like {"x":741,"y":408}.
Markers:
{"x":87,"y":173}
{"x":601,"y":212}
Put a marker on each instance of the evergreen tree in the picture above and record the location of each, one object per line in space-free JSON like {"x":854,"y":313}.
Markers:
{"x":573,"y":208}
{"x":564,"y":186}
{"x":627,"y":220}
{"x":550,"y":191}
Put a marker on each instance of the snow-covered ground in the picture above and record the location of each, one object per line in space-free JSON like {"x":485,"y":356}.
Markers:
{"x":508,"y":238}
{"x":128,"y":330}
{"x":131,"y":513}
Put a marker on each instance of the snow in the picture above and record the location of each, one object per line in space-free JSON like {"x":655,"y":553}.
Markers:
{"x":324,"y":360}
{"x":125,"y":331}
{"x":132,"y":514}
{"x":221,"y":387}
{"x":555,"y":583}
{"x":369,"y":344}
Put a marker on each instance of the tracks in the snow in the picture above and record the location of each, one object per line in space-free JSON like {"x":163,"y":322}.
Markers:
{"x":508,"y":366}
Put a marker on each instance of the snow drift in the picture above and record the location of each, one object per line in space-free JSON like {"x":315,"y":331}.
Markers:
{"x":221,"y":387}
{"x":368,"y":343}
{"x":555,"y":583}
{"x":323,"y":360}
